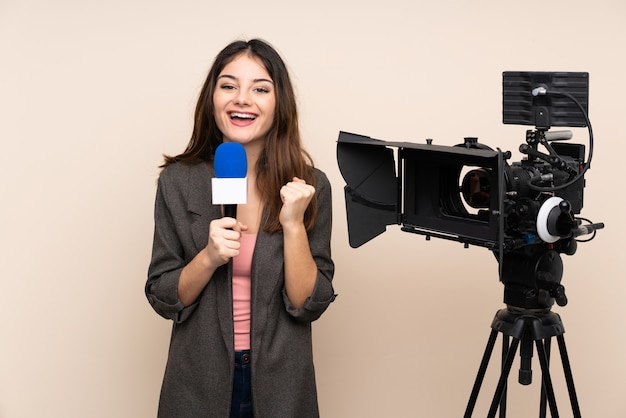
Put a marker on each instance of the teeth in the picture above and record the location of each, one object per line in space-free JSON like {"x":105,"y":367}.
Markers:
{"x":242,"y":115}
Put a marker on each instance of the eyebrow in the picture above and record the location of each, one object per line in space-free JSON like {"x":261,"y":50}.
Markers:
{"x":256,"y":80}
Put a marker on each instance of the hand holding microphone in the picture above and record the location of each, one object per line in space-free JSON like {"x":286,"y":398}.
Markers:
{"x":224,"y":240}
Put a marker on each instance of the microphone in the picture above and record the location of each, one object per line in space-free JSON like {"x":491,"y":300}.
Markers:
{"x":230,"y":185}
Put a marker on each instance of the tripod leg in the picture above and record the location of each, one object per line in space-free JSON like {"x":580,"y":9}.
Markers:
{"x":506,"y":369}
{"x":543,"y":403}
{"x":526,"y":357}
{"x":481,"y":374}
{"x":568,"y":376}
{"x":505,"y":352}
{"x":547,"y":381}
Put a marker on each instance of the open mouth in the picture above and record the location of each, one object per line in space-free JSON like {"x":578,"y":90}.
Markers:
{"x":242,"y":116}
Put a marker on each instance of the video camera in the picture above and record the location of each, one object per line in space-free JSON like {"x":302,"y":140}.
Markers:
{"x":522,"y":211}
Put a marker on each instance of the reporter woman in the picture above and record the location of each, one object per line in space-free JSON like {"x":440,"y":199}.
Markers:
{"x":241,"y":338}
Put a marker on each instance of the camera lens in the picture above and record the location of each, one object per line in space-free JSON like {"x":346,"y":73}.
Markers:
{"x":476,"y":188}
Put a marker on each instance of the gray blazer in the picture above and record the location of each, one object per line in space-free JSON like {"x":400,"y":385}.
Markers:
{"x":199,"y":372}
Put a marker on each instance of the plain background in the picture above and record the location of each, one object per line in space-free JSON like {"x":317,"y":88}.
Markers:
{"x":92,"y":93}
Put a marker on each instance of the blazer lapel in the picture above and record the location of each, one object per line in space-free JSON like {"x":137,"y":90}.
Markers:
{"x":199,"y":204}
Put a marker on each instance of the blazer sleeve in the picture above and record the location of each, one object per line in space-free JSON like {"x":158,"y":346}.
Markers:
{"x":319,"y":242}
{"x":168,"y":256}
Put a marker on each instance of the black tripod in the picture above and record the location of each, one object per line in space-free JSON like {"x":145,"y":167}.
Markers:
{"x":525,"y":326}
{"x":531,"y":278}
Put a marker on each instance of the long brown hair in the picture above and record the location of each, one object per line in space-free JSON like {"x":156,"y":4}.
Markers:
{"x":283,"y":156}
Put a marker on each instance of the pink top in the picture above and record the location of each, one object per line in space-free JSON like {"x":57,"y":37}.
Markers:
{"x":242,"y":266}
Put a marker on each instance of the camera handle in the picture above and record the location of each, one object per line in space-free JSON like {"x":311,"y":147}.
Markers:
{"x":543,"y":137}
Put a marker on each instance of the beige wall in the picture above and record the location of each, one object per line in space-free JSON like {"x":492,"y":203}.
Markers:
{"x":91,"y":94}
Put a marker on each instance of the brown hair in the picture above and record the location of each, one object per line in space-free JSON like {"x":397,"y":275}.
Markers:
{"x":283,"y":156}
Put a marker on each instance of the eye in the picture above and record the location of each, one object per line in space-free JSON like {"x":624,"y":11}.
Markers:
{"x":262,"y":90}
{"x":226,"y":86}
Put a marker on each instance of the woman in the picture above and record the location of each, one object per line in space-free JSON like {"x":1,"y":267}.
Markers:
{"x":241,"y":337}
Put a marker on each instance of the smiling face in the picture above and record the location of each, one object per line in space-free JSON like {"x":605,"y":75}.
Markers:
{"x":244,"y":101}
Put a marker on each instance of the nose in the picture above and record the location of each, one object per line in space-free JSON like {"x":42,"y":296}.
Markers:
{"x":243,"y":97}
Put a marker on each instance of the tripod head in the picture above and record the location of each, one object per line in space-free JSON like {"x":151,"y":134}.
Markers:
{"x":532,"y":278}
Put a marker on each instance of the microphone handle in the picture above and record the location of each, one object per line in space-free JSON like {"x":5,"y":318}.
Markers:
{"x":230,"y":211}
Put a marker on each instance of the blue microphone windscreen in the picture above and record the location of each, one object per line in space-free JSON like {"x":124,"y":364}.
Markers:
{"x":230,"y":161}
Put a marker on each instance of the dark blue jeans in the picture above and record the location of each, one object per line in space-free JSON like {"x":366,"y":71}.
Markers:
{"x":241,"y":404}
